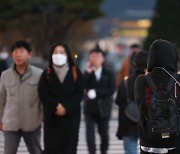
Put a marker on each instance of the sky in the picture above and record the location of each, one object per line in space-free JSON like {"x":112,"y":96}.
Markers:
{"x":128,"y":9}
{"x":123,"y":10}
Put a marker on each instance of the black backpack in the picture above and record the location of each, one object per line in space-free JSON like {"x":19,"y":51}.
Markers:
{"x":162,"y":120}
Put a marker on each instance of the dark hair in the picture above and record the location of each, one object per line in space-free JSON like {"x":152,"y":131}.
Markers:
{"x":68,"y":52}
{"x":135,"y":46}
{"x":97,"y":50}
{"x":21,"y":44}
{"x":140,"y":62}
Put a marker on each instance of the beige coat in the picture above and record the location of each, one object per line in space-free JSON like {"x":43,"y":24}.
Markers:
{"x":19,"y":102}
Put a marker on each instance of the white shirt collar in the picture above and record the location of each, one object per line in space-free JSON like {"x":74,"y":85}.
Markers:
{"x":98,"y":73}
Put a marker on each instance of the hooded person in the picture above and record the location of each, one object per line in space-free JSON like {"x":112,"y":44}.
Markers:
{"x":164,"y":54}
{"x":162,"y":57}
{"x":127,"y":129}
{"x":61,"y":91}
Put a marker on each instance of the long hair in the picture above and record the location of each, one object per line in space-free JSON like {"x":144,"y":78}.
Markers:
{"x":68,"y":52}
{"x":140,"y":62}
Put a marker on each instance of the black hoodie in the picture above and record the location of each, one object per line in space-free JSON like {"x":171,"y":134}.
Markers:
{"x":164,"y":54}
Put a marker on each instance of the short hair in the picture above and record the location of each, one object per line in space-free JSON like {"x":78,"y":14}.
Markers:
{"x":97,"y":50}
{"x":21,"y":44}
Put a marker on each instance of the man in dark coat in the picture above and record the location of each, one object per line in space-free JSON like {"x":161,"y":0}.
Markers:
{"x":100,"y":85}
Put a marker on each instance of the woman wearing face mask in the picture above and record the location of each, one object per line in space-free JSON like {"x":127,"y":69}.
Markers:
{"x":61,"y":91}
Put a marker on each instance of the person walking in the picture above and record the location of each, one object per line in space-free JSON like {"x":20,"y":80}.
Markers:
{"x":127,"y":68}
{"x":127,"y":129}
{"x":61,"y":91}
{"x":20,"y":108}
{"x":158,"y":98}
{"x":99,"y":86}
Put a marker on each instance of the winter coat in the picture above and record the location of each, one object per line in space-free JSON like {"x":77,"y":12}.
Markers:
{"x":126,"y":127}
{"x":58,"y":129}
{"x":19,"y":101}
{"x":104,"y":89}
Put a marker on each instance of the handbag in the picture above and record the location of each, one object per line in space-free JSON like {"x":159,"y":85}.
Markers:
{"x":131,"y":110}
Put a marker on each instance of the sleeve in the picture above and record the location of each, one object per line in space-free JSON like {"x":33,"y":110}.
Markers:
{"x":139,"y":94}
{"x":73,"y":105}
{"x":89,"y":81}
{"x":2,"y":97}
{"x":49,"y":103}
{"x":86,"y":78}
{"x":136,"y":91}
{"x":106,"y":92}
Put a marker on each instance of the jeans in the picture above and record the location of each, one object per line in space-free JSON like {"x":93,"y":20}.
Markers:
{"x":32,"y":141}
{"x":130,"y":144}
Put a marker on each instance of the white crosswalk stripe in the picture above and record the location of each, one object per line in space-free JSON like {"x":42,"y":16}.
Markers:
{"x":115,"y":145}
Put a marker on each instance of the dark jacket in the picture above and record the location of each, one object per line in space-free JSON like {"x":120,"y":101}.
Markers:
{"x":3,"y":66}
{"x":126,"y":91}
{"x":52,"y":91}
{"x":126,"y":126}
{"x":58,"y":129}
{"x":162,"y":54}
{"x":104,"y":89}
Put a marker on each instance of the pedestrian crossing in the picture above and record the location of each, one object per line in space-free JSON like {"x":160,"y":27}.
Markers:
{"x":115,"y":145}
{"x":114,"y":148}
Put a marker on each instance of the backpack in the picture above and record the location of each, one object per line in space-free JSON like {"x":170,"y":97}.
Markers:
{"x":162,"y":119}
{"x":131,"y":110}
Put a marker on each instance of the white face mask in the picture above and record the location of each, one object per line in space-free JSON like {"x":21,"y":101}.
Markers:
{"x":4,"y":55}
{"x":59,"y":59}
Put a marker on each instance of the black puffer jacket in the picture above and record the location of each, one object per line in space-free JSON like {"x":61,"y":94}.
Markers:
{"x":162,"y":54}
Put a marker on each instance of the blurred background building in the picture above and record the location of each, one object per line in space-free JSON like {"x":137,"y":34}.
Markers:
{"x":112,"y":24}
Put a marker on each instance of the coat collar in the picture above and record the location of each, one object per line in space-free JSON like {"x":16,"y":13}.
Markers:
{"x":26,"y":74}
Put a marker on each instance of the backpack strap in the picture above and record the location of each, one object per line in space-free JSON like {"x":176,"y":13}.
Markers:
{"x":74,"y":71}
{"x":151,"y":83}
{"x":171,"y":82}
